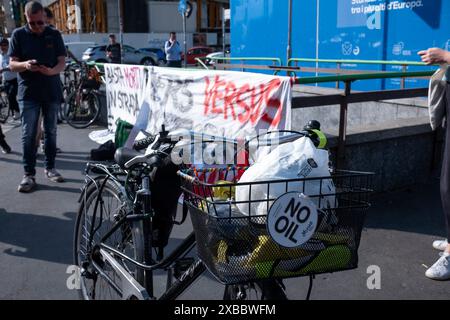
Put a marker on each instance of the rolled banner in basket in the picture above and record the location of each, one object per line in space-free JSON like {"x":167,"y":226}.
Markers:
{"x":292,"y":219}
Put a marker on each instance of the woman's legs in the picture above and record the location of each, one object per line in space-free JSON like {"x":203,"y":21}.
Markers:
{"x":440,"y":270}
{"x":445,"y":173}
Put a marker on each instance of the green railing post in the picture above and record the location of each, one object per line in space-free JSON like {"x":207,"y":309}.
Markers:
{"x":338,"y":66}
{"x":402,"y":81}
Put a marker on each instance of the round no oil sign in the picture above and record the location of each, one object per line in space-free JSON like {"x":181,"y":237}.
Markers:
{"x":292,"y":219}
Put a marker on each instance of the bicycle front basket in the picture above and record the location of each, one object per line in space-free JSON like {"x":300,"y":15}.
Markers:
{"x":238,"y":248}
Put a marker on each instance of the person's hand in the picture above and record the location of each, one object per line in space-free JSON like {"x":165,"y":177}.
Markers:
{"x":434,"y":55}
{"x":31,"y":65}
{"x":46,"y":71}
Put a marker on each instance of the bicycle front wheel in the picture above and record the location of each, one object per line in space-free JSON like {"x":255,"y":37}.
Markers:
{"x":269,"y":289}
{"x":81,"y":109}
{"x":99,"y":211}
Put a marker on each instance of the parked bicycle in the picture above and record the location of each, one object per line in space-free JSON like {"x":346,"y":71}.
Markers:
{"x":82,"y":104}
{"x":5,"y":110}
{"x":119,"y":224}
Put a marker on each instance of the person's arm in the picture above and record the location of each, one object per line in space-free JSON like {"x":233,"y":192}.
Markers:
{"x":15,"y":52}
{"x":434,"y":55}
{"x":108,"y":51}
{"x":169,"y":47}
{"x":15,"y":65}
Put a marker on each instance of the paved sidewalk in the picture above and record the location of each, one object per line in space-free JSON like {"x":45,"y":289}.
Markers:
{"x":36,"y":236}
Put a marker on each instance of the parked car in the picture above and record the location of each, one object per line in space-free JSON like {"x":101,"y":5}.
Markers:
{"x":78,"y":48}
{"x":212,"y":57}
{"x":159,"y":52}
{"x":197,"y":52}
{"x":130,"y":56}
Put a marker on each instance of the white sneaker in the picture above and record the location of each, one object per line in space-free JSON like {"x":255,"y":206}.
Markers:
{"x":440,"y":244}
{"x":440,"y":270}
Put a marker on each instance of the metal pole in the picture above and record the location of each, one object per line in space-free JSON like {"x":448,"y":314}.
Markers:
{"x":223,"y":31}
{"x":78,"y":16}
{"x":288,"y":49}
{"x":184,"y":40}
{"x":317,"y":35}
{"x":119,"y":3}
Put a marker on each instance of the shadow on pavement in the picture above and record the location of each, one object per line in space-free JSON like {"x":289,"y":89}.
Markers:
{"x":416,"y":210}
{"x":37,"y":237}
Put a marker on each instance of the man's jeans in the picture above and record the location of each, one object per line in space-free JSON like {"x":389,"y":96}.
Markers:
{"x":30,"y":115}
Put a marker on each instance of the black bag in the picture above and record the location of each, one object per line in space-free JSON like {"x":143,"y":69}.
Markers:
{"x":105,"y":152}
{"x":166,"y":190}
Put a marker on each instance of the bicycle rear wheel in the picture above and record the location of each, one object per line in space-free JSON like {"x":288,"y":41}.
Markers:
{"x":4,"y":110}
{"x":105,"y":283}
{"x":83,"y":111}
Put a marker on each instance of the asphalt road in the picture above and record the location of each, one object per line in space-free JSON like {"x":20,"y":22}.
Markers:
{"x":36,"y":236}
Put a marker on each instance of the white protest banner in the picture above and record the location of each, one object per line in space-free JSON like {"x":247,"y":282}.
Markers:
{"x":223,"y":103}
{"x":125,"y":92}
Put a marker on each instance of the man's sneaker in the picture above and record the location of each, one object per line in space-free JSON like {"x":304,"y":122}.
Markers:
{"x":440,"y":244}
{"x":27,"y":184}
{"x":16,"y":116}
{"x":441,"y":269}
{"x":5,"y":147}
{"x":54,"y":175}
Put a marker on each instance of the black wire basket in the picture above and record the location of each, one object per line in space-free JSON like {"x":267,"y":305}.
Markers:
{"x":238,"y":247}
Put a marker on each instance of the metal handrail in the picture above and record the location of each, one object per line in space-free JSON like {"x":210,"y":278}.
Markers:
{"x":342,"y":61}
{"x":274,"y":60}
{"x":363,"y":76}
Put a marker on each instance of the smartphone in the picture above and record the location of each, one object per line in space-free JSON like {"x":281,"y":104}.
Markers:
{"x":37,"y":63}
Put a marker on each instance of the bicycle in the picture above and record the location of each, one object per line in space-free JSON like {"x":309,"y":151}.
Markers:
{"x":114,"y":239}
{"x":5,"y":110}
{"x":82,"y":105}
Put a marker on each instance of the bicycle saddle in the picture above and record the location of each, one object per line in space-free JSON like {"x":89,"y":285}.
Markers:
{"x":123,"y":155}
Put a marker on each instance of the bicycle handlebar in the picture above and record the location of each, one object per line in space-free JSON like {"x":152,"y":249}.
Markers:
{"x":189,"y":136}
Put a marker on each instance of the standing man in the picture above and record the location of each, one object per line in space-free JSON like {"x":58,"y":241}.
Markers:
{"x":9,"y":79}
{"x":113,"y":50}
{"x":38,"y":54}
{"x":173,"y":51}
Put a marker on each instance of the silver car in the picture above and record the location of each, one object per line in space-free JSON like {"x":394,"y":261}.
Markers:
{"x":130,"y":56}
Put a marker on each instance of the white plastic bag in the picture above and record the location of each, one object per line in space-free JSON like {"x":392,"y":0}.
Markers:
{"x":295,"y":160}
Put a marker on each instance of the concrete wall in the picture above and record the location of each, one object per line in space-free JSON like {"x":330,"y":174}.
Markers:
{"x":402,"y":153}
{"x":164,"y":17}
{"x":359,"y":114}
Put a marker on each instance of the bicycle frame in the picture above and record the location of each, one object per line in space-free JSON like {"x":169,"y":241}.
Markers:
{"x":130,"y":287}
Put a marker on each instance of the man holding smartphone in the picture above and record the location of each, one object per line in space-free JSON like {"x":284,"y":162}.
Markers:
{"x":37,"y":53}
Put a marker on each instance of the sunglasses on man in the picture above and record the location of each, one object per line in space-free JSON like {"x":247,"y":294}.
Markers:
{"x":36,"y":23}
